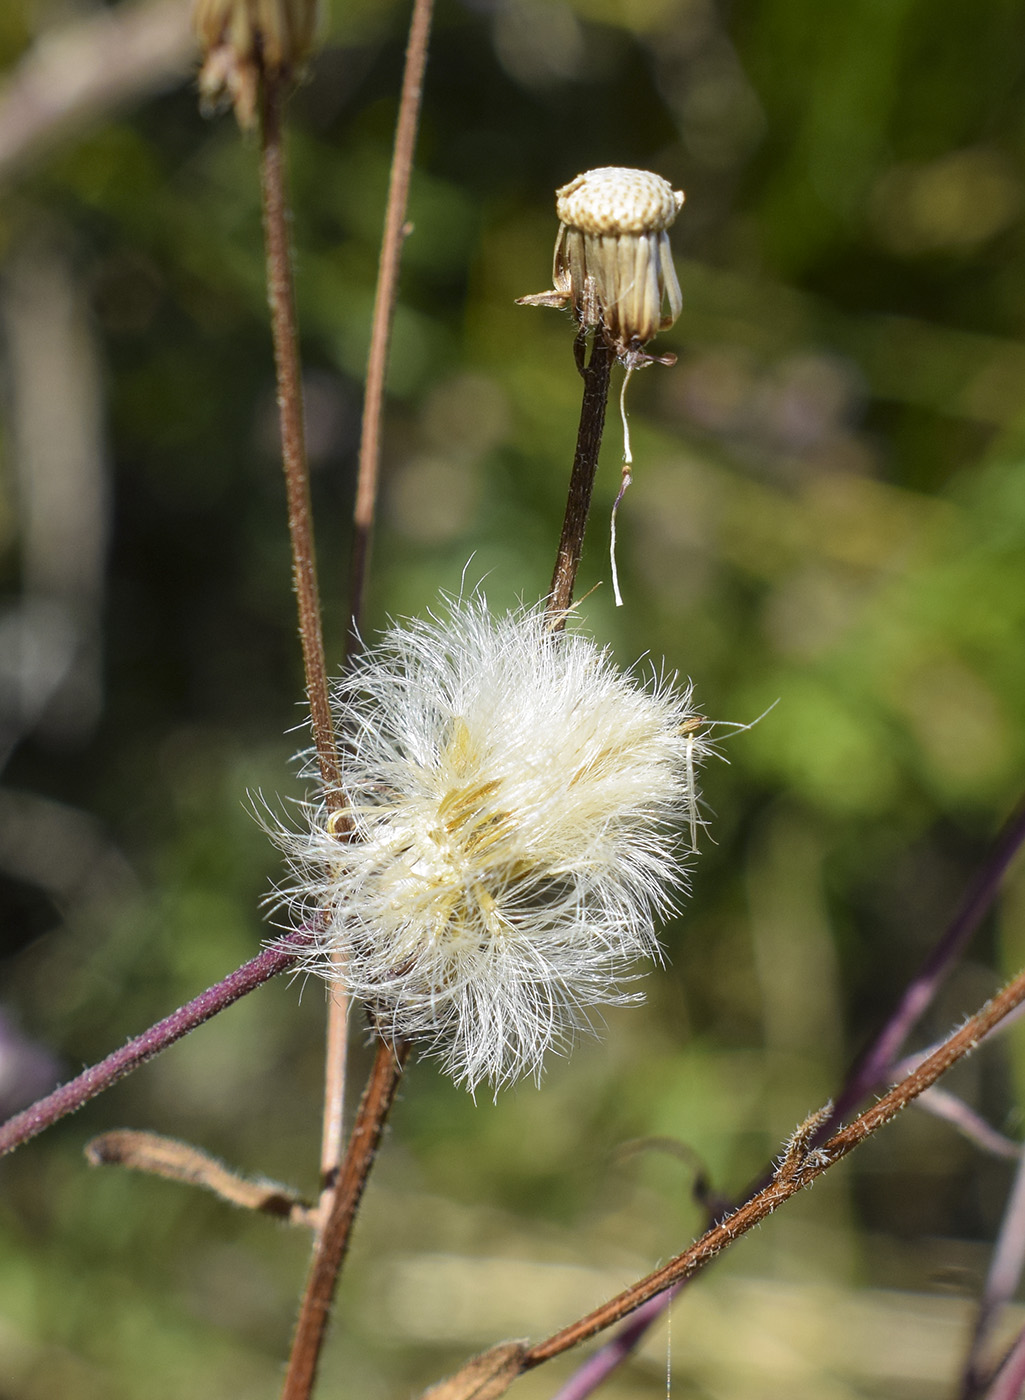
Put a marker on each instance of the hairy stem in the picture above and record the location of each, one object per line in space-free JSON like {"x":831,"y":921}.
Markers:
{"x":304,"y":560}
{"x":873,"y":1069}
{"x":597,"y":1368}
{"x":581,"y":482}
{"x":367,"y":485}
{"x":293,"y":438}
{"x":71,"y":1096}
{"x":786,"y":1183}
{"x":333,"y":1241}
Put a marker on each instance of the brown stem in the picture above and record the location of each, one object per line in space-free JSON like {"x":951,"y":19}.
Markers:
{"x":393,"y":238}
{"x":293,"y":441}
{"x":581,"y":482}
{"x":786,"y":1182}
{"x":335,"y":1061}
{"x":333,"y":1241}
{"x":365,"y":508}
{"x":304,"y":560}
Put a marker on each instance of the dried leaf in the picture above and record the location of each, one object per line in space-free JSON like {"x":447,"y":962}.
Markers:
{"x":484,"y":1377}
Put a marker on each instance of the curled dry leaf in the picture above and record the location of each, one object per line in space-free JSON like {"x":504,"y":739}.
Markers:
{"x":180,"y":1161}
{"x":484,"y":1377}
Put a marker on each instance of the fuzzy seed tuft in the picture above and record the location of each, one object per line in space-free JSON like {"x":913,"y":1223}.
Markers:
{"x":509,"y":831}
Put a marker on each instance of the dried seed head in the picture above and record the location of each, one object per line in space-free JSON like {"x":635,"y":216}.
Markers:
{"x":613,"y":263}
{"x":616,"y":200}
{"x":244,"y":42}
{"x":511,"y":810}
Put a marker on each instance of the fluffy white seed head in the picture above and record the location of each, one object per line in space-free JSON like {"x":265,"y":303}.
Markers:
{"x":509,"y":830}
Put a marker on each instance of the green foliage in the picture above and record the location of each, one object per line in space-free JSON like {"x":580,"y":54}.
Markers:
{"x":824,"y":532}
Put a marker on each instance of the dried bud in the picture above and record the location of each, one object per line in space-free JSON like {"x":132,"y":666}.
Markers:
{"x":613,"y":263}
{"x":244,"y":42}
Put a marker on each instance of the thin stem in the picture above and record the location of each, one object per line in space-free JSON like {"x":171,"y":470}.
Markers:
{"x":597,"y":1368}
{"x":334,"y":1237}
{"x":785,"y":1184}
{"x":1001,"y":1284}
{"x":876,"y":1065}
{"x":873,"y":1067}
{"x":395,"y":230}
{"x":71,"y":1096}
{"x":941,"y":1103}
{"x":335,"y":1062}
{"x":293,"y":439}
{"x":365,"y":509}
{"x":1010,"y":1377}
{"x":304,"y":559}
{"x":581,"y":482}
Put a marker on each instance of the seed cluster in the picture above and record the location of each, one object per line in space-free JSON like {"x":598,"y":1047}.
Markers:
{"x":509,"y":832}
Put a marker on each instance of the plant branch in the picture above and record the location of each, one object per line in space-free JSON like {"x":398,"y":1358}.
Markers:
{"x":365,"y":508}
{"x":293,"y":439}
{"x":393,"y":238}
{"x":304,"y":560}
{"x":581,"y":482}
{"x":333,"y":1240}
{"x":597,"y":1368}
{"x":335,"y":1062}
{"x":71,"y":1096}
{"x":788,"y":1181}
{"x":1010,"y":1376}
{"x":1001,"y":1284}
{"x":941,"y":1103}
{"x":872,"y":1069}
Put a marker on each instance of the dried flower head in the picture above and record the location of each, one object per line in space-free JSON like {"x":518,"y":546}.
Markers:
{"x":245,"y":42}
{"x":613,"y":262}
{"x":507,"y":834}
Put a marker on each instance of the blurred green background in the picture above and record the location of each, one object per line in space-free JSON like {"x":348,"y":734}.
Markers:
{"x":828,"y":516}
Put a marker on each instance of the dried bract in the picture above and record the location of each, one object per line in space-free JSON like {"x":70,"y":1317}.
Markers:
{"x":246,"y":42}
{"x":613,"y":264}
{"x":509,"y":830}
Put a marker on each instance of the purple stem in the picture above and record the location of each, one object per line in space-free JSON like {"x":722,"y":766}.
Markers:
{"x":71,"y":1096}
{"x":943,"y":1104}
{"x":868,"y":1073}
{"x":900,"y":1069}
{"x":593,"y":1372}
{"x":1001,"y":1282}
{"x":1010,"y":1378}
{"x":872,"y":1068}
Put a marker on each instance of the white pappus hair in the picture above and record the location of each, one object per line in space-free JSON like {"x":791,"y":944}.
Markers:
{"x":509,"y":830}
